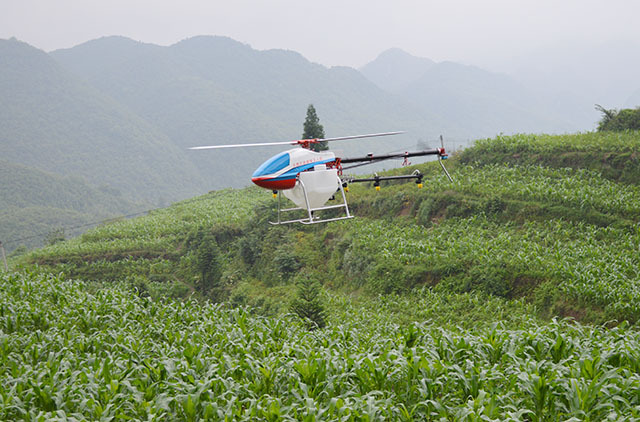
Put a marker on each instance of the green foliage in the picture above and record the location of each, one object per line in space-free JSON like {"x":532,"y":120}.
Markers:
{"x":619,"y":120}
{"x":312,"y":129}
{"x":250,"y":247}
{"x":308,"y":303}
{"x":286,"y":262}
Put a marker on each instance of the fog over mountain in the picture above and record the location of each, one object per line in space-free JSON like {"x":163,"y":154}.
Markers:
{"x":577,"y":77}
{"x":468,"y":97}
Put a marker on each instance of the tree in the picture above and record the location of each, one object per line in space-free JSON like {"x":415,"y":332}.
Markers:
{"x":307,"y":304}
{"x":209,"y":265}
{"x":618,"y":120}
{"x":313,"y":129}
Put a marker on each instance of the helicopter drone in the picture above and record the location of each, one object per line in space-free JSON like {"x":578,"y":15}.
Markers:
{"x":310,"y":179}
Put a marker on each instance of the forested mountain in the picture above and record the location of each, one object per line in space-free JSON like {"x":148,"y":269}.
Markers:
{"x":52,"y":120}
{"x":23,"y":186}
{"x":394,"y":69}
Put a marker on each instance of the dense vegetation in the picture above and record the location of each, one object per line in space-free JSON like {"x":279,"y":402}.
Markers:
{"x":614,"y":155}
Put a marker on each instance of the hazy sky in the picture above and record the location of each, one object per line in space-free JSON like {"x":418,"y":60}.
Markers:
{"x":335,"y":32}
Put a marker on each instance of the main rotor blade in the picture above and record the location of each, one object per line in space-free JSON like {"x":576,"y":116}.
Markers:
{"x":247,"y":145}
{"x":371,"y":135}
{"x":300,"y":142}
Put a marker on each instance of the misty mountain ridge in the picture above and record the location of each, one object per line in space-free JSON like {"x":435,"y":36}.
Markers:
{"x":394,"y":70}
{"x":120,"y":114}
{"x":214,"y":90}
{"x":487,"y":101}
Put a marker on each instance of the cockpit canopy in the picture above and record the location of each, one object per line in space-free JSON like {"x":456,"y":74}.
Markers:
{"x":273,"y":164}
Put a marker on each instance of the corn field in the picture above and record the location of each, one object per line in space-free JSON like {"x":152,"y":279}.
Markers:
{"x":591,"y":264}
{"x":66,"y":354}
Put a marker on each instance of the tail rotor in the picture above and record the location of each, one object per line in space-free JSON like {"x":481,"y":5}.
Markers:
{"x":443,"y":156}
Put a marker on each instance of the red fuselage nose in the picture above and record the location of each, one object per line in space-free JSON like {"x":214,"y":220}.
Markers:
{"x":270,"y":183}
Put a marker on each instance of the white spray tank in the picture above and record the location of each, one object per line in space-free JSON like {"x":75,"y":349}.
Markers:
{"x":320,"y":184}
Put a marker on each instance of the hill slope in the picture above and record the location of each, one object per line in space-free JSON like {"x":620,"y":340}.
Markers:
{"x":52,"y":121}
{"x":36,"y":202}
{"x":69,"y":352}
{"x":451,"y":286}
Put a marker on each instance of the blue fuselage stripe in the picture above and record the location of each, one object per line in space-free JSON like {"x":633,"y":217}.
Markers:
{"x":292,"y":173}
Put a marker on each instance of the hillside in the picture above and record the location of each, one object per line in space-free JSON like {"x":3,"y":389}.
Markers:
{"x":442,"y":302}
{"x":120,"y":114}
{"x":68,"y":352}
{"x":36,"y":202}
{"x":510,"y":231}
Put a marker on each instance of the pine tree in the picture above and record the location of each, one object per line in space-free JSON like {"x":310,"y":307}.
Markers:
{"x":313,"y":129}
{"x":208,"y":264}
{"x":307,"y":304}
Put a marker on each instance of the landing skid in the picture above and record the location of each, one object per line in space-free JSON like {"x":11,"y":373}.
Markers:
{"x":312,"y":217}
